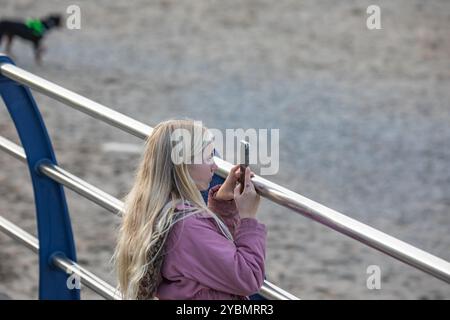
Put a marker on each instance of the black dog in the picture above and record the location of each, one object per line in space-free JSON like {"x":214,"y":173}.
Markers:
{"x":33,"y":30}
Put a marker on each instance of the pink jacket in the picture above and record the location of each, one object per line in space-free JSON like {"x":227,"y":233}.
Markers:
{"x":202,"y":264}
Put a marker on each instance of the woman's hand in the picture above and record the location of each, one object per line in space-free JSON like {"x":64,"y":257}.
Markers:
{"x":226,"y":191}
{"x":247,"y":202}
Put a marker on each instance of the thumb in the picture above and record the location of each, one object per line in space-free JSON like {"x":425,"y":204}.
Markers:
{"x":237,"y":191}
{"x":247,"y":183}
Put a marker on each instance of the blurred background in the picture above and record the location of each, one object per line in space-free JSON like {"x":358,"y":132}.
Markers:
{"x":363,"y":117}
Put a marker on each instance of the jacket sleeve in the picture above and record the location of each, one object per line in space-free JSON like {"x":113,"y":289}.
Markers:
{"x":206,"y":256}
{"x":227,"y":210}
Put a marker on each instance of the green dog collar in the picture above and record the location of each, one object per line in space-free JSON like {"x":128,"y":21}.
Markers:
{"x":36,"y":26}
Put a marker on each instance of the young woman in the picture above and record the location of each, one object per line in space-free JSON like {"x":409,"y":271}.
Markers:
{"x":171,"y":245}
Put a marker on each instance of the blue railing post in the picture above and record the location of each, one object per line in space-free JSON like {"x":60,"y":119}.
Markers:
{"x":53,"y":221}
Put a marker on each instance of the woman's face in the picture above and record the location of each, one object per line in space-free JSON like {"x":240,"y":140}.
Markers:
{"x":203,"y":173}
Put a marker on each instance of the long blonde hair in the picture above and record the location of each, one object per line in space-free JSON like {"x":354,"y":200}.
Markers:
{"x":149,"y":212}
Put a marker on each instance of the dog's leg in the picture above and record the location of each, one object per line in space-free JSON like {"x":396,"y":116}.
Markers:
{"x":38,"y":50}
{"x":38,"y":56}
{"x":9,"y":39}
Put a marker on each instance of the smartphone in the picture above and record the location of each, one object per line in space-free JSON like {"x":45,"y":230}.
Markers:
{"x":245,"y":151}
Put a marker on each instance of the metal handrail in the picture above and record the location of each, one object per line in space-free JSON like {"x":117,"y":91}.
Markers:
{"x":108,"y":202}
{"x":363,"y":233}
{"x":272,"y":292}
{"x":71,"y":268}
{"x":77,"y":101}
{"x":67,"y":179}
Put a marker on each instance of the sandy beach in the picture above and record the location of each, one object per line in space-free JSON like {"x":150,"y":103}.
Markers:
{"x":363,"y":117}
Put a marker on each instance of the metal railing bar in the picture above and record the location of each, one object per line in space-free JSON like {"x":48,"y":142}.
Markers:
{"x":67,"y":179}
{"x":272,"y":292}
{"x":76,"y":101}
{"x":12,"y":149}
{"x":86,"y":277}
{"x":19,"y":234}
{"x":363,"y":233}
{"x":83,"y":188}
{"x":89,"y":279}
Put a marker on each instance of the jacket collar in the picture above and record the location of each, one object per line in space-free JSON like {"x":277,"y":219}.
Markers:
{"x":187,"y":206}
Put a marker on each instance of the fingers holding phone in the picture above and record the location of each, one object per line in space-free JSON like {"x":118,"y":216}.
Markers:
{"x":247,"y":202}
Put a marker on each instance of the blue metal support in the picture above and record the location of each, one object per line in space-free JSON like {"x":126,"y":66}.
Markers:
{"x":53,"y":220}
